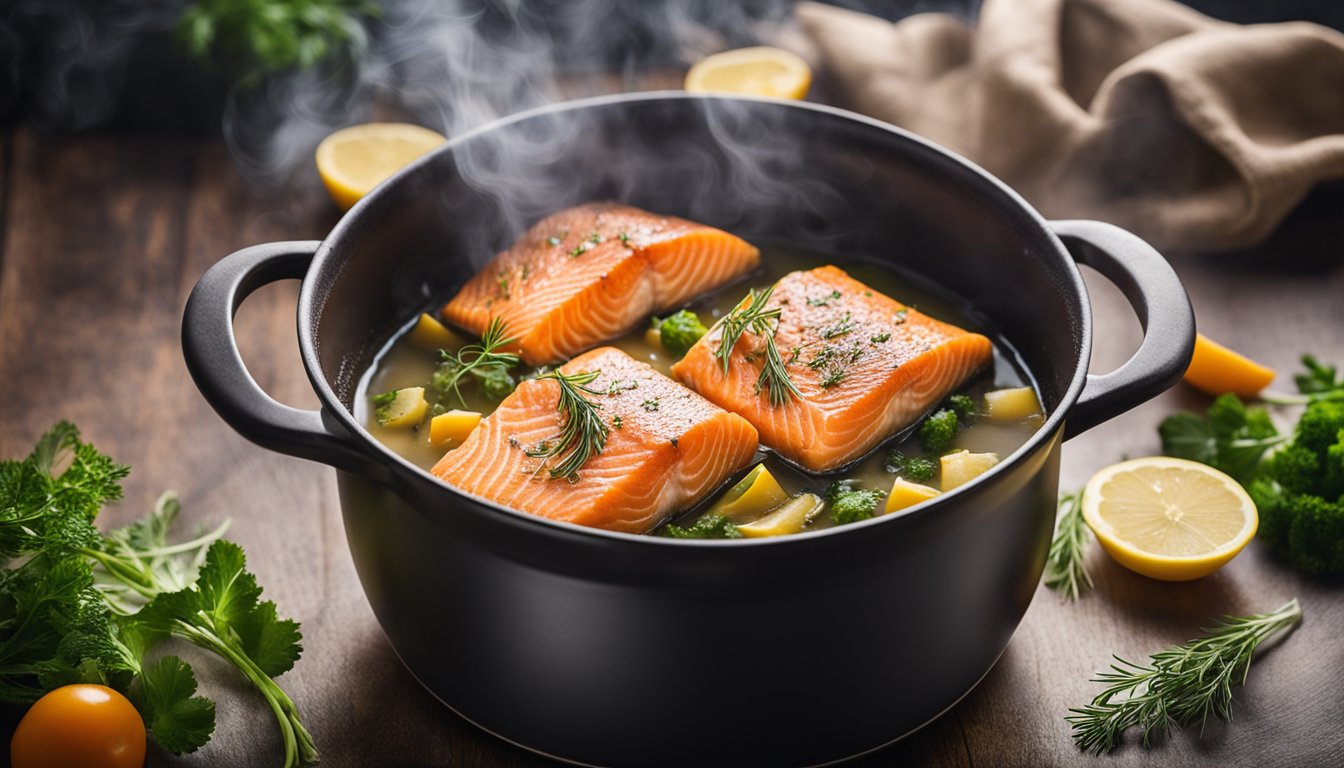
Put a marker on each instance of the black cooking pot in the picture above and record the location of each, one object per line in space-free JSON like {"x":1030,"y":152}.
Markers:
{"x":613,"y":649}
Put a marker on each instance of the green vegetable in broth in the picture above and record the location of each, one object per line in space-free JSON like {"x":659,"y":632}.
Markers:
{"x":849,"y":503}
{"x":711,"y":526}
{"x":917,"y":468}
{"x":680,"y":331}
{"x":938,"y":430}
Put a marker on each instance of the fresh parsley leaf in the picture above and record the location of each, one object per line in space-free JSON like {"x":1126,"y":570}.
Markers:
{"x":180,"y":721}
{"x":1231,"y":437}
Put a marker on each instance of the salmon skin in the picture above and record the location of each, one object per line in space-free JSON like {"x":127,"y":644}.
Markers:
{"x":866,"y":366}
{"x":592,"y":273}
{"x":667,"y":448}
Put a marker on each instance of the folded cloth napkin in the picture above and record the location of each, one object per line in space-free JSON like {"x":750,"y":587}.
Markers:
{"x":1196,"y":134}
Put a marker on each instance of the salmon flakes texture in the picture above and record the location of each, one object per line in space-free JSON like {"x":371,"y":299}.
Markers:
{"x":667,"y":448}
{"x":865,"y":365}
{"x":590,"y":273}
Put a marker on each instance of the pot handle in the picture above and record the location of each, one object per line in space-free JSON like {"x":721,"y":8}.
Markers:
{"x":211,"y":352}
{"x":1162,"y":305}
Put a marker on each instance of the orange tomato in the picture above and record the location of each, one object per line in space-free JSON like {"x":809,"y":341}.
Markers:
{"x":79,"y":726}
{"x":1215,"y":369}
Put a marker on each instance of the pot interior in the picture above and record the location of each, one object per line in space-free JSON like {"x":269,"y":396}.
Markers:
{"x":768,"y":171}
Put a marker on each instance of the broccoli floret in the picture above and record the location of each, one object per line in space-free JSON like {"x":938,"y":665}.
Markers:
{"x":441,"y":381}
{"x":917,"y":468}
{"x":849,"y":503}
{"x":963,"y":406}
{"x":496,"y":383}
{"x":680,"y":331}
{"x":1300,"y":495}
{"x":937,"y":431}
{"x":711,"y":526}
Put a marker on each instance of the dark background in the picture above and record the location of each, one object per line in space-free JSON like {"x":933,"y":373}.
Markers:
{"x":137,"y":81}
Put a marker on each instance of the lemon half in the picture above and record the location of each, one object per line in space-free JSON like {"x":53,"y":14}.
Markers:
{"x":760,"y":71}
{"x":354,"y":160}
{"x":1169,"y":519}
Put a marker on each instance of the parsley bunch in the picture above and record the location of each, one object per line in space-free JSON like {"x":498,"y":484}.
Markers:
{"x":80,"y":606}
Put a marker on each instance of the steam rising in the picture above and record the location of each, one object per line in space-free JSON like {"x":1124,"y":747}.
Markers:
{"x":455,"y":65}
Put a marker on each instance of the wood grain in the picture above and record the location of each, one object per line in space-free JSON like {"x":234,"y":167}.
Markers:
{"x":104,"y":237}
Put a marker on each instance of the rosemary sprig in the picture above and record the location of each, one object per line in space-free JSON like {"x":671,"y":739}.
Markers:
{"x":1064,"y":569}
{"x":478,"y":357}
{"x":754,"y":317}
{"x":1182,"y":685}
{"x":583,"y":432}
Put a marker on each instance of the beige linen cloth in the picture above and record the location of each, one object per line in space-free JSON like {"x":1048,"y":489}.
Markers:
{"x":1194,"y":133}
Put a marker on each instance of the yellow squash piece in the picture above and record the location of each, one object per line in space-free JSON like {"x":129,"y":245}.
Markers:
{"x":1169,"y":519}
{"x":406,"y":408}
{"x":757,"y":493}
{"x":761,"y":71}
{"x":1008,"y":405}
{"x":786,"y":520}
{"x":1215,"y":369}
{"x":453,"y":426}
{"x":962,"y":467}
{"x":430,"y":334}
{"x":354,"y":160}
{"x":907,"y":494}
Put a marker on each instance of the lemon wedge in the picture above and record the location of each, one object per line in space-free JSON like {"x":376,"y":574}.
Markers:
{"x":761,"y":71}
{"x":352,"y":161}
{"x":1169,"y":519}
{"x":1215,"y":369}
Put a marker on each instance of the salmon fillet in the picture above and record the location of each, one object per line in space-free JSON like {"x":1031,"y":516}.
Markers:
{"x":591,"y":273}
{"x":667,"y":448}
{"x":866,"y":367}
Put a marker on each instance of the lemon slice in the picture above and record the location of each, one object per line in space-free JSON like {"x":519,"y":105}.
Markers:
{"x":352,"y":161}
{"x":761,"y":71}
{"x":1169,"y":519}
{"x":1215,"y":369}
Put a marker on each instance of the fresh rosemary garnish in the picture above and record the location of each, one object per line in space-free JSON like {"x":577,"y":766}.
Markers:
{"x":583,"y":432}
{"x":1064,"y":568}
{"x":754,"y":317}
{"x":479,"y":358}
{"x":650,"y":405}
{"x":623,"y":237}
{"x":1182,"y":685}
{"x":881,"y":337}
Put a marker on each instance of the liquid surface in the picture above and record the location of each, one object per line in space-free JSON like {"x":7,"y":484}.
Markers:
{"x":403,"y":364}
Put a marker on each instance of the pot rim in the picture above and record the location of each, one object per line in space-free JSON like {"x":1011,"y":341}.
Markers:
{"x":324,"y":260}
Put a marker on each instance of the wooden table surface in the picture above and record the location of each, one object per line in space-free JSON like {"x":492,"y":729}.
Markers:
{"x":102,"y":238}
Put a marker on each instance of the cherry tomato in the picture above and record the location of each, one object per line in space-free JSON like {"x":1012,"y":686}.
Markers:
{"x":80,"y":726}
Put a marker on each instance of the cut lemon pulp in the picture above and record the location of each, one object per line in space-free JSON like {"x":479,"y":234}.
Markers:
{"x":1169,"y":519}
{"x":761,"y":71}
{"x":354,"y":160}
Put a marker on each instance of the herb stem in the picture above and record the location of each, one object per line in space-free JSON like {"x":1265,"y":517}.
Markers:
{"x":583,"y":433}
{"x":1065,"y":569}
{"x":1182,"y":685}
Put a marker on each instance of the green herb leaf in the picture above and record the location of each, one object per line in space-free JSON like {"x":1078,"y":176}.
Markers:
{"x":1232,"y":437}
{"x":484,"y":361}
{"x":180,"y":721}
